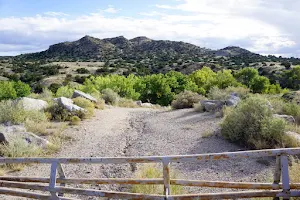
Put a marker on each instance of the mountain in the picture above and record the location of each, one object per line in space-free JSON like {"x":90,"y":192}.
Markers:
{"x":118,"y":47}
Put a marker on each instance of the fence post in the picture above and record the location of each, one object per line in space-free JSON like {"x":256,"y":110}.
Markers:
{"x":52,"y":183}
{"x":166,"y":173}
{"x":285,"y":176}
{"x":62,"y":175}
{"x":277,"y":174}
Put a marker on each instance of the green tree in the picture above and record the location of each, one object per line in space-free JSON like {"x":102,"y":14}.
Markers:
{"x":156,"y":90}
{"x":22,"y":89}
{"x":246,"y":75}
{"x":7,"y":90}
{"x":204,"y":79}
{"x":224,"y":79}
{"x":260,"y":84}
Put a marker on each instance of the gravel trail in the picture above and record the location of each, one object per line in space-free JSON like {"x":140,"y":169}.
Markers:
{"x":119,"y":132}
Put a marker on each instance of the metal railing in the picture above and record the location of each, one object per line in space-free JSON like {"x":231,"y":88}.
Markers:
{"x":276,"y":189}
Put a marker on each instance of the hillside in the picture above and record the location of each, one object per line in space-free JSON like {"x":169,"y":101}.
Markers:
{"x":139,"y":56}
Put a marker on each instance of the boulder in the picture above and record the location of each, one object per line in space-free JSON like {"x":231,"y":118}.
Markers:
{"x":10,"y":133}
{"x":233,"y":100}
{"x":31,"y":104}
{"x":68,"y":104}
{"x":294,"y":135}
{"x":287,"y":118}
{"x":149,"y":105}
{"x":212,"y":105}
{"x":78,"y":93}
{"x":139,"y":103}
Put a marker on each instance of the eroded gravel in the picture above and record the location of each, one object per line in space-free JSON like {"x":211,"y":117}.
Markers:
{"x":139,"y":132}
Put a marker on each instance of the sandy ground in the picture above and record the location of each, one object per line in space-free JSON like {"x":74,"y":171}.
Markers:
{"x":139,"y":132}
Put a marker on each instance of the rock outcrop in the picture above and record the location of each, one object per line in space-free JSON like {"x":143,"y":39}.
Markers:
{"x":68,"y":104}
{"x":78,"y":93}
{"x":287,"y":118}
{"x":31,"y":104}
{"x":233,"y":100}
{"x":10,"y":133}
{"x":212,"y":105}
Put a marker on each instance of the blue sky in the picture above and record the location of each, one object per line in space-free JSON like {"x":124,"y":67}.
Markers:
{"x":262,"y":26}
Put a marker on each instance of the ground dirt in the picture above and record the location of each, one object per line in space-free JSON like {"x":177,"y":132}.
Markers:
{"x":117,"y":132}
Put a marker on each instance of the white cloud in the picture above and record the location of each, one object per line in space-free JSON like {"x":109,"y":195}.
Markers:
{"x":110,"y":9}
{"x":261,"y":26}
{"x":55,"y":14}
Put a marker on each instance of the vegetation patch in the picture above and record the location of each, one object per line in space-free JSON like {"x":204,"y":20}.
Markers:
{"x":149,"y":171}
{"x":186,"y":99}
{"x":252,"y":124}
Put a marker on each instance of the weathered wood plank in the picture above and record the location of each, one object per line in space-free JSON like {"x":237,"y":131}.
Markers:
{"x":157,"y":159}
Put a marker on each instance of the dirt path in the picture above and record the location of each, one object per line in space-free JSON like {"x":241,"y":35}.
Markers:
{"x":138,"y":132}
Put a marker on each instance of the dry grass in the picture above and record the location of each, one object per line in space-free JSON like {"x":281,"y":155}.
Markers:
{"x":152,"y":171}
{"x":127,"y":103}
{"x":19,"y":148}
{"x":40,"y":128}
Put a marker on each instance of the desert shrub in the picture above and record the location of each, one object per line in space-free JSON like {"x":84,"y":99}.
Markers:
{"x":151,"y":171}
{"x":19,"y":148}
{"x":65,"y":91}
{"x":75,"y":120}
{"x":10,"y":112}
{"x":251,"y":123}
{"x":198,"y":107}
{"x":217,"y":94}
{"x":292,"y":108}
{"x":58,"y":113}
{"x":46,"y":95}
{"x":127,"y":103}
{"x":242,"y":92}
{"x":100,"y":104}
{"x":54,"y":87}
{"x":109,"y":96}
{"x":83,"y":103}
{"x":82,"y":71}
{"x":87,"y":105}
{"x":186,"y":99}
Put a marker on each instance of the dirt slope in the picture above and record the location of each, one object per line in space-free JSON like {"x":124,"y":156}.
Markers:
{"x":139,"y":132}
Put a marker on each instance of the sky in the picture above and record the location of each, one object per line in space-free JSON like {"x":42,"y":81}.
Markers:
{"x":262,"y":26}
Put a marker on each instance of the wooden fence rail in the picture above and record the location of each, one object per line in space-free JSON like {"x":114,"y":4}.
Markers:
{"x":281,"y":187}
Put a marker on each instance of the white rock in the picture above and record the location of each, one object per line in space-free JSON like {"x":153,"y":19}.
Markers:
{"x":78,"y":93}
{"x":31,"y":104}
{"x":68,"y":104}
{"x":287,"y":118}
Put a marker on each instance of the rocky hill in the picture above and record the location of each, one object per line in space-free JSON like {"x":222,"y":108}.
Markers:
{"x":139,"y":48}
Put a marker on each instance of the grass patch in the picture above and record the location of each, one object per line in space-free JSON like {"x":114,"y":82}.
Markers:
{"x":15,"y":114}
{"x":75,"y":120}
{"x":19,"y":148}
{"x":152,"y":171}
{"x":198,"y":107}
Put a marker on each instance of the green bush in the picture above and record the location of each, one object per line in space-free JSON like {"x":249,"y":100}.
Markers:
{"x":22,"y":89}
{"x":58,"y":113}
{"x":252,"y":124}
{"x":217,"y":94}
{"x":110,"y":97}
{"x":65,"y":91}
{"x":7,"y":90}
{"x":186,"y":99}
